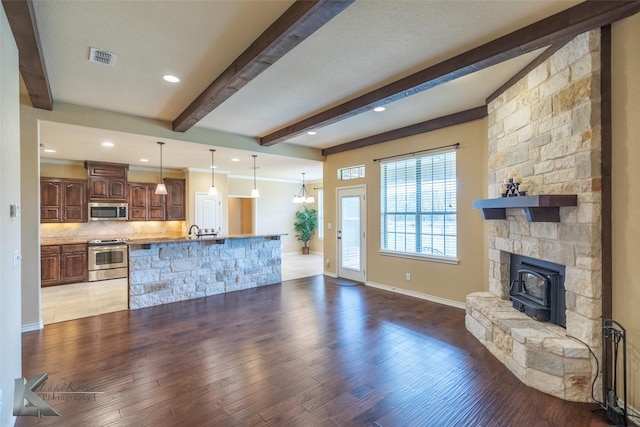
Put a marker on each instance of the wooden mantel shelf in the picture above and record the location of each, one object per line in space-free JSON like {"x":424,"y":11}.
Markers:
{"x":541,"y":208}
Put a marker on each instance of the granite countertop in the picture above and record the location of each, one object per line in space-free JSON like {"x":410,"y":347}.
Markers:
{"x":204,"y":238}
{"x":146,"y":240}
{"x":63,"y":241}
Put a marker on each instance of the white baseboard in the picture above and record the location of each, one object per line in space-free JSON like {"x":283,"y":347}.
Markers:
{"x":32,"y":327}
{"x":415,"y":294}
{"x":330,"y":274}
{"x":300,"y":253}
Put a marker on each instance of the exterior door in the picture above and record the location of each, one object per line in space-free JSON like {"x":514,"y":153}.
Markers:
{"x":352,"y":243}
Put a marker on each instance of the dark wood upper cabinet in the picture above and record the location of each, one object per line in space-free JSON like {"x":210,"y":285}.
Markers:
{"x":157,"y":205}
{"x":75,"y":201}
{"x":107,"y":181}
{"x":63,"y":200}
{"x":144,"y":204}
{"x":175,"y":199}
{"x":50,"y":200}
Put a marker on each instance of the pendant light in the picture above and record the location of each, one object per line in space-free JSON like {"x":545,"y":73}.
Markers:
{"x":161,"y":188}
{"x":254,"y":193}
{"x":212,"y":190}
{"x":303,"y":196}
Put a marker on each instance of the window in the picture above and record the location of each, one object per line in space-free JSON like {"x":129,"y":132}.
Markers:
{"x":353,"y":172}
{"x":320,"y":213}
{"x":418,"y":206}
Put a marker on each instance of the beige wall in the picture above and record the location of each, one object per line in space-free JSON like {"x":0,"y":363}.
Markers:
{"x":76,"y":170}
{"x":275,"y":210}
{"x":440,"y":280}
{"x":626,"y":197}
{"x":10,"y":227}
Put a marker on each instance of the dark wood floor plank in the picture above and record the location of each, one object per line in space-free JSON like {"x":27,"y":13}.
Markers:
{"x":302,"y":353}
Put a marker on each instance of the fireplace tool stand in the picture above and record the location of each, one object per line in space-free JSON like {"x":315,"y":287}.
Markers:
{"x":614,"y":334}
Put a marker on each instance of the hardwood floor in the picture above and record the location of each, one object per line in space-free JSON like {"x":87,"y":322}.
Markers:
{"x":73,"y":301}
{"x":303,"y":353}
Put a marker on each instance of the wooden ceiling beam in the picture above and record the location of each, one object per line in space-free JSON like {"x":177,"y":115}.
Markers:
{"x":428,"y":126}
{"x":298,"y":22}
{"x":22,"y":21}
{"x":575,"y":20}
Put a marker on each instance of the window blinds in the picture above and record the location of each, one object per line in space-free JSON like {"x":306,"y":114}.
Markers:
{"x":418,"y":205}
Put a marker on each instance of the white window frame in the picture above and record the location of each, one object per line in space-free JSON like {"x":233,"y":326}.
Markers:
{"x":351,"y":172}
{"x":404,"y":230}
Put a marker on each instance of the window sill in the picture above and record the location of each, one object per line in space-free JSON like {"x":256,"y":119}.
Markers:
{"x":419,"y":257}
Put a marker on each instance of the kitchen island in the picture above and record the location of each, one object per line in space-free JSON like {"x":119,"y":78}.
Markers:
{"x":170,"y":269}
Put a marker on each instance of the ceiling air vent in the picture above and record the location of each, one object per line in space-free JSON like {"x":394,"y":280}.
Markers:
{"x":103,"y":57}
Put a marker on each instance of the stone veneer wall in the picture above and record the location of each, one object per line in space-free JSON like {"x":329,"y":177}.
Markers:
{"x":546,"y":130}
{"x":177,"y":271}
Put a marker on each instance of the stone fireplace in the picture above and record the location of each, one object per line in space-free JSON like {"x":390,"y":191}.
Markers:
{"x":546,"y":130}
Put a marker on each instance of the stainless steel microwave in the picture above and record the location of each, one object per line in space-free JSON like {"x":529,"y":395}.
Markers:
{"x":108,"y":211}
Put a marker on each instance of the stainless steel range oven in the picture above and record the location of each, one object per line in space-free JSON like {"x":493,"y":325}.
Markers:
{"x":108,"y":259}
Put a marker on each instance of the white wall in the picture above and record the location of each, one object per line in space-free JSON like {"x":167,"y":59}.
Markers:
{"x":10,"y":276}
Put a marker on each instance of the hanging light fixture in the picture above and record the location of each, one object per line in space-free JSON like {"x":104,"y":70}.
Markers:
{"x":212,"y":190}
{"x":254,"y":193}
{"x":303,"y":196}
{"x":161,"y":188}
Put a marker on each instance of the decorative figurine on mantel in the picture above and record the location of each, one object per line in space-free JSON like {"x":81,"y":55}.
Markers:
{"x":513,"y":187}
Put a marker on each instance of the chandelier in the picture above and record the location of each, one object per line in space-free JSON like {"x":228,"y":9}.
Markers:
{"x":303,"y":196}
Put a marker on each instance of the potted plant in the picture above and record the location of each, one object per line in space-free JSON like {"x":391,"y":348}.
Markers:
{"x":305,"y":225}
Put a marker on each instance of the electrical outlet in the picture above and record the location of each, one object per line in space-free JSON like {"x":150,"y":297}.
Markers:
{"x":328,"y":262}
{"x":408,"y":276}
{"x":329,"y":226}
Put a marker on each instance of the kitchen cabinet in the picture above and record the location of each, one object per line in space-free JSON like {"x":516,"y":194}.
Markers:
{"x":73,"y":264}
{"x":107,"y":181}
{"x":62,"y":264}
{"x":175,"y":199}
{"x":63,"y":200}
{"x":50,"y":258}
{"x":144,"y":204}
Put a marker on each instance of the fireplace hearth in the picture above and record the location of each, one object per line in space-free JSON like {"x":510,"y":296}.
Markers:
{"x":537,"y":289}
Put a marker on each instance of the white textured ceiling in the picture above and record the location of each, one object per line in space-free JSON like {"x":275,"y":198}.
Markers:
{"x":368,"y":45}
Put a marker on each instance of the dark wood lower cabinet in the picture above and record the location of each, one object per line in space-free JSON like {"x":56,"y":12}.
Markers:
{"x":62,"y":264}
{"x":50,"y":258}
{"x":74,"y":263}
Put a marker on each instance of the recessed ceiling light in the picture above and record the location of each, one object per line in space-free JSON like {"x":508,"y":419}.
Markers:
{"x":170,"y":78}
{"x":379,"y":109}
{"x":49,"y":150}
{"x":144,"y":160}
{"x":107,"y":144}
{"x":213,"y":167}
{"x":235,"y":160}
{"x":311,"y":132}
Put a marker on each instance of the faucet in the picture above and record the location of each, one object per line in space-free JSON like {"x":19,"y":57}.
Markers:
{"x":197,"y":230}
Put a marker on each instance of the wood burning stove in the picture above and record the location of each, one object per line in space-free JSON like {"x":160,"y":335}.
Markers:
{"x":537,"y":289}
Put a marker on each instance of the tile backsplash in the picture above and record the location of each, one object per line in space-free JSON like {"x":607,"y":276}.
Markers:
{"x":112,"y":229}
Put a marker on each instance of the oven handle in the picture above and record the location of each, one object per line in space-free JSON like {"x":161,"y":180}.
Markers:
{"x":107,"y":248}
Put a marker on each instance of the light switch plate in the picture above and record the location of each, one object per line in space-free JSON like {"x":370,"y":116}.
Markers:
{"x":17,"y":258}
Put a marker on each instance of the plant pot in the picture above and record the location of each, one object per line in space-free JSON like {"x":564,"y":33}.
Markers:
{"x":305,"y":250}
